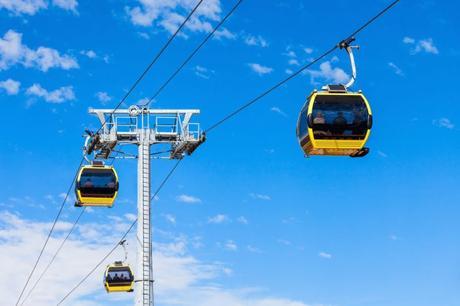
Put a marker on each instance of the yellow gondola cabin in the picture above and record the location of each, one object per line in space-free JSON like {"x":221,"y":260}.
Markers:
{"x":118,"y":277}
{"x":96,"y":185}
{"x":335,"y":122}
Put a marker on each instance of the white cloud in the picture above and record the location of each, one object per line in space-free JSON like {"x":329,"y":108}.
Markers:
{"x":324,"y":255}
{"x":308,"y":50}
{"x":259,"y":41}
{"x":396,"y":69}
{"x":143,"y":35}
{"x":328,"y":73}
{"x":89,"y":53}
{"x":59,"y":95}
{"x":180,"y":278}
{"x":218,"y":219}
{"x":31,"y":7}
{"x":230,"y":245}
{"x":13,"y":52}
{"x":224,"y":33}
{"x":408,"y":40}
{"x":253,"y":249}
{"x":188,"y":199}
{"x":170,"y":218}
{"x":278,"y":110}
{"x":427,"y":46}
{"x":422,"y":45}
{"x":169,"y":14}
{"x":130,"y":217}
{"x":103,"y":97}
{"x":259,"y":196}
{"x":444,"y":123}
{"x":293,"y":62}
{"x":203,"y":72}
{"x":382,"y":154}
{"x":290,"y":53}
{"x":68,"y":5}
{"x":10,"y":86}
{"x":259,"y":69}
{"x":242,"y":220}
{"x":284,"y":242}
{"x":27,"y":7}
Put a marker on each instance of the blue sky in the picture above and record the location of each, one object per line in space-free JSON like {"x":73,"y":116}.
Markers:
{"x":246,"y":220}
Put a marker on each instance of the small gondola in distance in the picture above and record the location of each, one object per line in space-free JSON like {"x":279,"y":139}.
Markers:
{"x":118,"y":277}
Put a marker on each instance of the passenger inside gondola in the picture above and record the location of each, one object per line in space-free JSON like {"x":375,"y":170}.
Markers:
{"x":119,"y":277}
{"x":339,"y":117}
{"x":96,"y":182}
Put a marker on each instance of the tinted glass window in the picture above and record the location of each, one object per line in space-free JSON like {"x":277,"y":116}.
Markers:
{"x":114,"y":277}
{"x":303,"y":125}
{"x":98,"y":182}
{"x":339,"y":117}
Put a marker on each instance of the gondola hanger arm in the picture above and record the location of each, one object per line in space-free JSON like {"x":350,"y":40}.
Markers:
{"x":346,"y":44}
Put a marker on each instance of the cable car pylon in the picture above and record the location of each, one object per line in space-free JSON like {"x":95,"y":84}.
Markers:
{"x":142,"y":127}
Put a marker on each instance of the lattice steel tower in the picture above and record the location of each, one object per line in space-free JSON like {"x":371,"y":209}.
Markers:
{"x":144,"y":127}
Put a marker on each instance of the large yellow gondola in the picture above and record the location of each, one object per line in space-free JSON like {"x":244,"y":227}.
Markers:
{"x":118,"y":277}
{"x":96,"y":185}
{"x":335,"y":122}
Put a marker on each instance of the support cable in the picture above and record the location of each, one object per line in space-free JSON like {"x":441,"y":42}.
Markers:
{"x":296,"y":73}
{"x":49,"y":235}
{"x":122,"y":238}
{"x":139,"y":79}
{"x":55,"y":255}
{"x":237,"y":4}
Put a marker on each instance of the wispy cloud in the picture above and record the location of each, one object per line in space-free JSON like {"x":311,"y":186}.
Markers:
{"x":89,"y":53}
{"x":170,"y":218}
{"x":422,"y":45}
{"x":169,"y":14}
{"x":130,"y":217}
{"x":253,"y":249}
{"x":328,"y":73}
{"x":68,"y":5}
{"x":259,"y":196}
{"x":13,"y":51}
{"x":443,"y":123}
{"x":224,"y":33}
{"x":23,"y":7}
{"x":284,"y":242}
{"x":10,"y":86}
{"x":253,"y":40}
{"x":31,"y":7}
{"x":308,"y":50}
{"x":278,"y":110}
{"x":396,"y":69}
{"x":103,"y":97}
{"x":184,"y":198}
{"x":203,"y":72}
{"x":143,"y":35}
{"x":218,"y":219}
{"x":231,"y":245}
{"x":242,"y":220}
{"x":59,"y":95}
{"x":260,"y":69}
{"x":324,"y":255}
